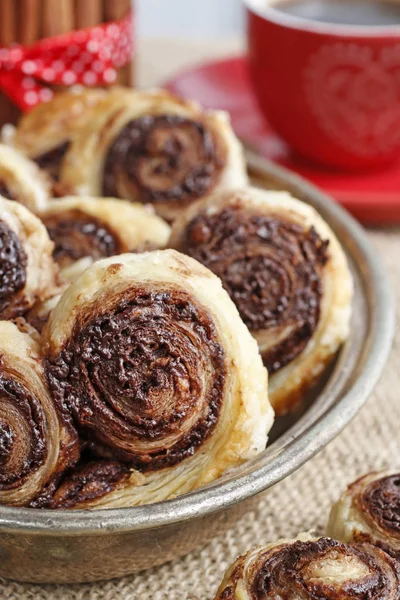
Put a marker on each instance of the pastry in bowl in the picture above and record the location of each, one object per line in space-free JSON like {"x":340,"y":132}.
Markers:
{"x":37,"y":439}
{"x":287,"y":274}
{"x":22,"y":180}
{"x":150,"y":358}
{"x":152,"y":147}
{"x":44,"y":133}
{"x":86,"y":229}
{"x":27,"y":271}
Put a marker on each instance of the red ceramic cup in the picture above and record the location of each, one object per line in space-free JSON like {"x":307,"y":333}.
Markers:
{"x":331,"y":91}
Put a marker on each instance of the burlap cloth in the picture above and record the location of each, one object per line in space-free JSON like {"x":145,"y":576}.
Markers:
{"x":301,"y":502}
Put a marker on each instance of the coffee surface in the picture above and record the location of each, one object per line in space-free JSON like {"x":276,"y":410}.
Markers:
{"x":343,"y":12}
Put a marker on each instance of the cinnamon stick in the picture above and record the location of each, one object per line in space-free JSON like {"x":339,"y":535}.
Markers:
{"x":28,"y":21}
{"x":58,"y":17}
{"x":7,"y":22}
{"x":113,"y":11}
{"x":88,"y":13}
{"x":9,"y":113}
{"x":116,"y":9}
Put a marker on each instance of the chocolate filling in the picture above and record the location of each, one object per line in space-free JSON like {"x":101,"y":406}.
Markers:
{"x":5,"y":191}
{"x":88,"y":482}
{"x":77,"y":234}
{"x":20,"y":415}
{"x":295,"y":569}
{"x":145,"y":378}
{"x":381,"y":501}
{"x":36,"y":319}
{"x":13,"y":262}
{"x":271,"y":269}
{"x":51,"y":161}
{"x":163,"y":158}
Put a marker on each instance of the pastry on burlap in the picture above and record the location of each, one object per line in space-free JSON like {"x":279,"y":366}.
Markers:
{"x":309,"y":568}
{"x":369,"y":511}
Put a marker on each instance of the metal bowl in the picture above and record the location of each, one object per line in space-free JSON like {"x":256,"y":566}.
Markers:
{"x":65,"y":546}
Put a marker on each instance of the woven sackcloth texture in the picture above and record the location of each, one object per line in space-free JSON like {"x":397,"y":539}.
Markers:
{"x":301,"y":502}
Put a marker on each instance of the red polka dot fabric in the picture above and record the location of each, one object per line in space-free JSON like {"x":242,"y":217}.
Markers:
{"x":90,"y":57}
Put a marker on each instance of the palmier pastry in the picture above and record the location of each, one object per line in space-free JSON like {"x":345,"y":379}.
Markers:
{"x":84,"y":485}
{"x":37,"y":441}
{"x":44,"y":133}
{"x":369,"y":510}
{"x":287,"y":274}
{"x":312,"y":569}
{"x":152,"y":147}
{"x":27,"y":271}
{"x":86,"y":229}
{"x":150,"y":356}
{"x":22,"y":180}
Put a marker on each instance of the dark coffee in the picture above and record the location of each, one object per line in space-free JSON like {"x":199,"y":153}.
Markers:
{"x":343,"y":12}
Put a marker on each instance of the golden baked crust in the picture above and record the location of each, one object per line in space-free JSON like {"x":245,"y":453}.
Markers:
{"x":151,"y":358}
{"x":286,"y":272}
{"x":38,"y":441}
{"x":153,"y":147}
{"x":84,"y":484}
{"x":27,"y":271}
{"x":22,"y":180}
{"x":85,"y":229}
{"x":52,"y":124}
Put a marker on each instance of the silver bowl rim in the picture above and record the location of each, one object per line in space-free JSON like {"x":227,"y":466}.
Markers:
{"x":298,"y":450}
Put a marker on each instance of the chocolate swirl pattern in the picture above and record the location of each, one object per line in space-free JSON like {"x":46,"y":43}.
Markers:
{"x":286,"y":273}
{"x":369,"y":510}
{"x":44,"y":134}
{"x":27,"y":271}
{"x":315,"y":569}
{"x":37,"y":441}
{"x":87,"y":483}
{"x":22,"y":180}
{"x":86,"y":229}
{"x":152,"y":360}
{"x":152,"y":147}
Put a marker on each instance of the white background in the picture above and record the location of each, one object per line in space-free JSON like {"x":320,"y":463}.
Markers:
{"x":189,"y":18}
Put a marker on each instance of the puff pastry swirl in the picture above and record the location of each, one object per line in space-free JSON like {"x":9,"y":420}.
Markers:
{"x":312,"y":569}
{"x":152,"y":360}
{"x":286,"y":272}
{"x":37,"y":441}
{"x":44,"y":133}
{"x":86,"y":229}
{"x":152,"y":147}
{"x":85,"y":484}
{"x":27,"y":271}
{"x":22,"y":180}
{"x":369,"y":510}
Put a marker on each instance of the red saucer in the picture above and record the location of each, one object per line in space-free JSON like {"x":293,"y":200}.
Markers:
{"x":373,"y":197}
